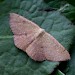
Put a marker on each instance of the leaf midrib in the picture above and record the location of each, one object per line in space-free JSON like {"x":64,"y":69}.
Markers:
{"x":6,"y":37}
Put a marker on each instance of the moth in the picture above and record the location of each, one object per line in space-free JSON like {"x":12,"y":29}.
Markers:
{"x":35,"y":41}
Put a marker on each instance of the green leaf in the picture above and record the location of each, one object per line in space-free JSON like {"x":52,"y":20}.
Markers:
{"x":71,"y":2}
{"x":55,"y":3}
{"x":69,"y":11}
{"x":16,"y":62}
{"x":70,"y":70}
{"x":59,"y":73}
{"x":1,"y":0}
{"x":63,"y":6}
